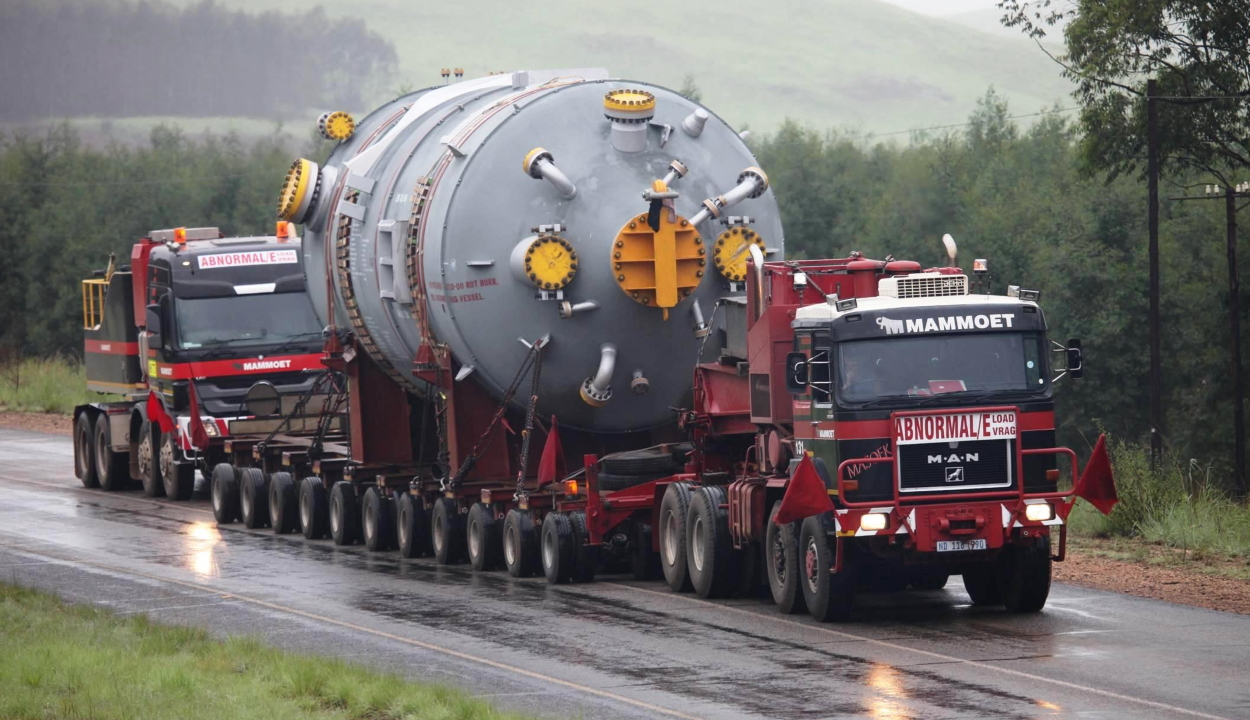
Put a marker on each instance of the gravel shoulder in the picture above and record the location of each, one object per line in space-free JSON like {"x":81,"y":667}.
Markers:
{"x":48,"y":423}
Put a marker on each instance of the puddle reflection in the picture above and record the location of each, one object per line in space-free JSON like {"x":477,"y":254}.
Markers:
{"x":200,"y":540}
{"x":887,"y":705}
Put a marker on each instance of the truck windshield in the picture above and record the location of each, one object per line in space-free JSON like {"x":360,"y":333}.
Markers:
{"x":245,"y":320}
{"x":935,"y":365}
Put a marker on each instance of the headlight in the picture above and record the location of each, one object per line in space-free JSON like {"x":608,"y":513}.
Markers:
{"x":873,"y":521}
{"x":1039,"y":512}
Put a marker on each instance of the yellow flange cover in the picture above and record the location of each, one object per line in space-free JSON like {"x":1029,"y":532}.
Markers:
{"x":629,"y":100}
{"x":336,"y":125}
{"x":550,"y":262}
{"x":294,"y":188}
{"x":732,"y":252}
{"x":658,"y":268}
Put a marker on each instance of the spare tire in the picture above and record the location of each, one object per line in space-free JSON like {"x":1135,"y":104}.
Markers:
{"x":653,"y":461}
{"x":610,"y":481}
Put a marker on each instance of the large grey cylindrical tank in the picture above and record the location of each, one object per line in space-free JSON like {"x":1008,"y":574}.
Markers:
{"x":607,"y":215}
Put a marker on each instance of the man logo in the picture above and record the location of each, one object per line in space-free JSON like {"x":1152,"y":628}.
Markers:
{"x":954,"y":474}
{"x":954,"y":458}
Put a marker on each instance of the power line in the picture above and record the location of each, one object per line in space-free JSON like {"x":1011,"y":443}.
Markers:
{"x":165,"y":181}
{"x":963,"y":124}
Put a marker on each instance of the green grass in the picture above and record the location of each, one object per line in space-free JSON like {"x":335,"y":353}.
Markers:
{"x":63,"y":661}
{"x":47,"y":385}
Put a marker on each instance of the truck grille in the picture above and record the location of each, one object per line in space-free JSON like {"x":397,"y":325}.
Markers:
{"x":973,"y":466}
{"x":924,"y":285}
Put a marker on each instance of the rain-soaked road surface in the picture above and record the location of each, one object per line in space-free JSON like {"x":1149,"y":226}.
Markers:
{"x":616,"y":648}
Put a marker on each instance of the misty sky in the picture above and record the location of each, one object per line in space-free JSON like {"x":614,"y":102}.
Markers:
{"x":944,"y":7}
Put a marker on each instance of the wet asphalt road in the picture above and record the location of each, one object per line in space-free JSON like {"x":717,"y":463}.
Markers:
{"x":615,"y":648}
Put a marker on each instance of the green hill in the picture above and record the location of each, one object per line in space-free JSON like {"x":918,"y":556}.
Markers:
{"x":857,"y":64}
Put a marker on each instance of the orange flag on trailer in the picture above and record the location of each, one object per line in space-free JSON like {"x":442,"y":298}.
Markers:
{"x":805,"y":496}
{"x":199,"y":435}
{"x":157,"y":414}
{"x":1096,"y":485}
{"x":552,"y":466}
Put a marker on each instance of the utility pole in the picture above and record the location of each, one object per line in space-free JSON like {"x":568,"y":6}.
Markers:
{"x":1156,"y":355}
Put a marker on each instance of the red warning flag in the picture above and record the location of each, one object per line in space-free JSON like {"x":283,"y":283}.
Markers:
{"x":1096,"y":485}
{"x":805,"y":496}
{"x":199,"y":435}
{"x":552,"y":466}
{"x":157,"y":414}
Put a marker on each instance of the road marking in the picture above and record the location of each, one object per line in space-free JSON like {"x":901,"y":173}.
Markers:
{"x":360,"y":628}
{"x":928,"y":653}
{"x":92,"y":492}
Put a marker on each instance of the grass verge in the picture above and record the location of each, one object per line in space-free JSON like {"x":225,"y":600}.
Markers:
{"x":47,"y":385}
{"x":66,"y":661}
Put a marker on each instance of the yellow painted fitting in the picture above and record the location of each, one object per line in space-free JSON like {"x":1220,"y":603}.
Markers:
{"x":629,"y":100}
{"x":659,"y":186}
{"x":657,"y":267}
{"x":591,"y":400}
{"x":294,"y":188}
{"x":550,"y":262}
{"x":732,"y":251}
{"x":528,"y":163}
{"x":336,"y":125}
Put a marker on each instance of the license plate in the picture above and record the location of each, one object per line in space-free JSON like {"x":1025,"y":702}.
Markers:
{"x":959,"y":545}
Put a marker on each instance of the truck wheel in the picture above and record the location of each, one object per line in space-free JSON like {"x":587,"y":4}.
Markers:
{"x":344,"y":513}
{"x":828,"y":595}
{"x":930,"y":581}
{"x":314,"y":510}
{"x":149,"y":469}
{"x":644,"y":560}
{"x":254,"y":499}
{"x":224,"y":491}
{"x":111,"y":468}
{"x":447,"y":532}
{"x":781,"y":557}
{"x":482,"y":537}
{"x":673,"y":510}
{"x":981,"y":582}
{"x":377,"y":520}
{"x":178,"y":478}
{"x":283,"y":503}
{"x":412,"y":526}
{"x":1024,"y":577}
{"x":587,"y":555}
{"x":520,"y":544}
{"x":84,"y":451}
{"x":708,"y":545}
{"x":558,"y":556}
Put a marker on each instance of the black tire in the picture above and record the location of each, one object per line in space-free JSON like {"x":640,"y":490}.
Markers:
{"x":447,"y":532}
{"x":112,"y":469}
{"x":781,"y":560}
{"x":709,"y":547}
{"x":981,"y":582}
{"x":177,"y":477}
{"x":149,"y":465}
{"x":609,"y":481}
{"x":483,"y":545}
{"x":84,"y":451}
{"x":283,"y":503}
{"x":520,"y":544}
{"x":829,"y":596}
{"x":377,"y":520}
{"x":254,"y":499}
{"x":653,"y":461}
{"x":344,"y":514}
{"x":558,"y":554}
{"x":587,"y":556}
{"x":1024,"y":576}
{"x":224,"y":492}
{"x":681,"y":453}
{"x":314,"y":508}
{"x":673,"y":510}
{"x":644,"y":561}
{"x":412,"y":526}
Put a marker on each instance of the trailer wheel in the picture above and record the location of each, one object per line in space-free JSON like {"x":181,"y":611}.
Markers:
{"x":112,"y":468}
{"x":254,"y":499}
{"x":586,"y":554}
{"x":224,"y":491}
{"x":520,"y":544}
{"x":644,"y":560}
{"x":981,"y":582}
{"x":673,"y":510}
{"x":708,"y":545}
{"x":482,"y":537}
{"x":283,"y":503}
{"x":1024,"y":576}
{"x":344,"y":513}
{"x":149,"y":469}
{"x":378,"y":520}
{"x":558,"y":556}
{"x":314,"y":510}
{"x":178,"y":478}
{"x":412,"y":526}
{"x":84,"y":451}
{"x":447,"y":532}
{"x":781,"y":556}
{"x":829,"y":596}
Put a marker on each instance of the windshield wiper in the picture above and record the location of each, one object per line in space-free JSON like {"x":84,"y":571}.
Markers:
{"x":291,"y":340}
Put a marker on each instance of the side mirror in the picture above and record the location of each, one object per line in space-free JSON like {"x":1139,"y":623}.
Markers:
{"x":1076,"y":361}
{"x":152,"y":321}
{"x":796,"y":373}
